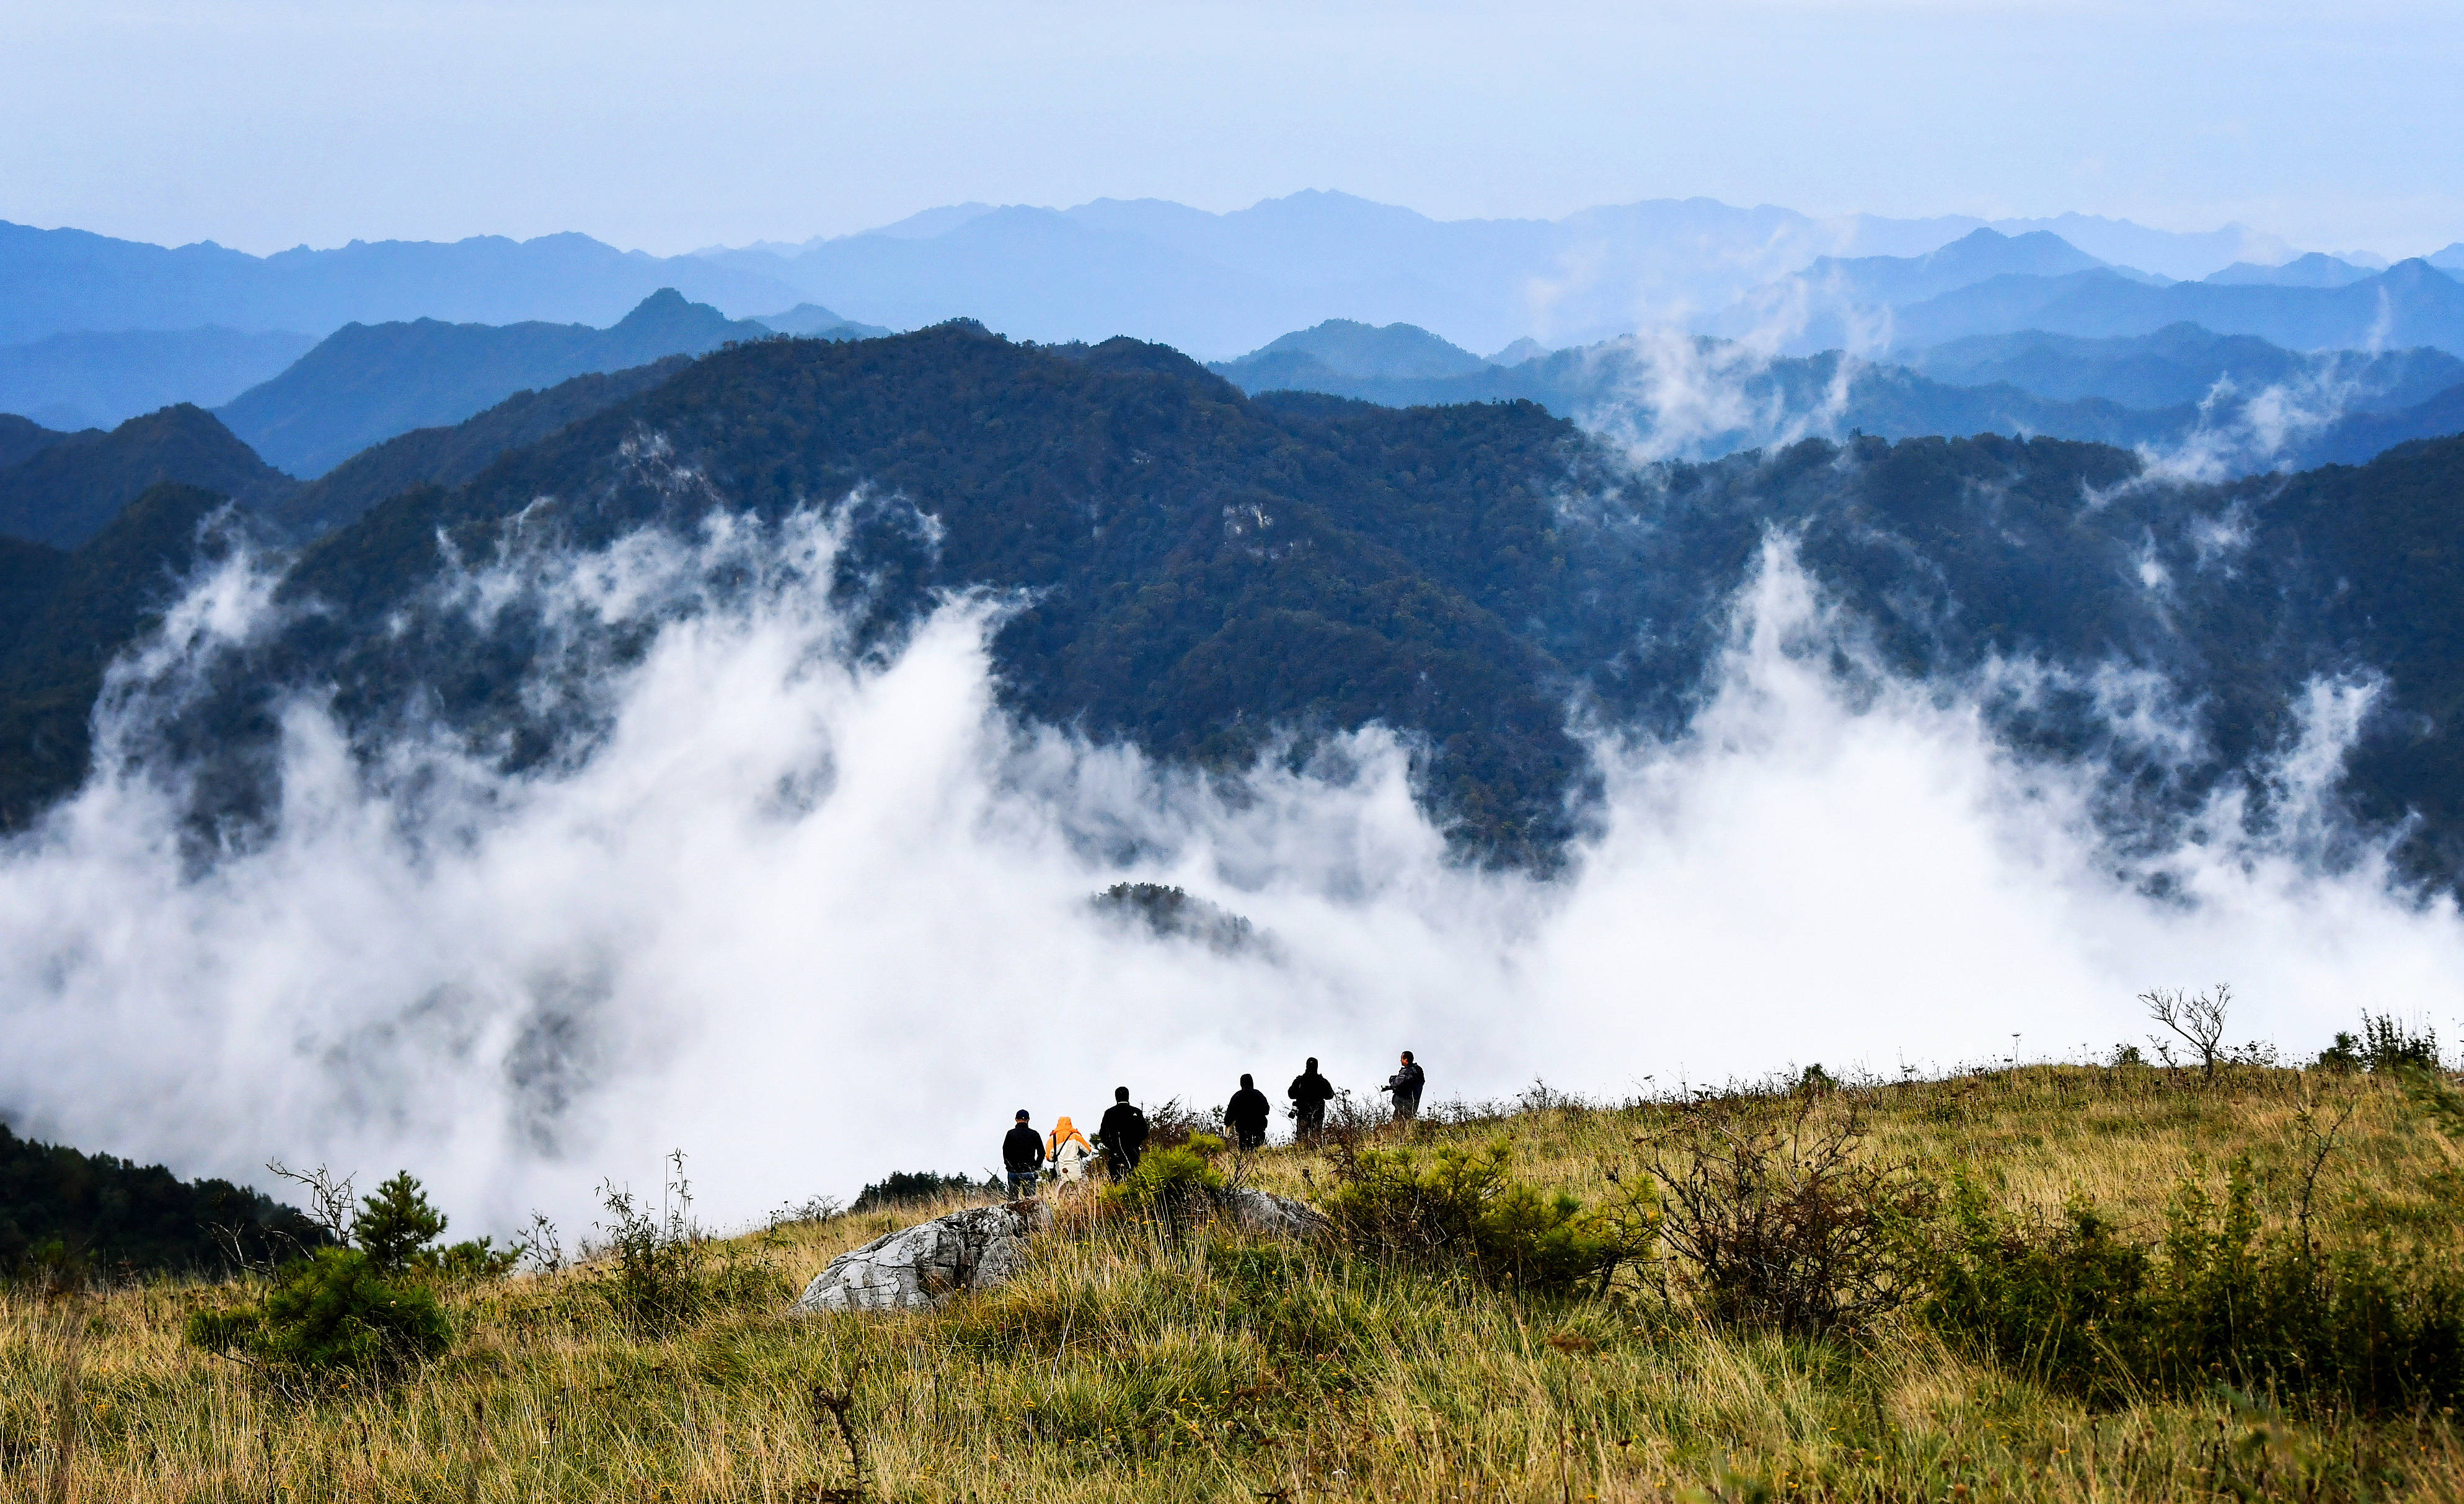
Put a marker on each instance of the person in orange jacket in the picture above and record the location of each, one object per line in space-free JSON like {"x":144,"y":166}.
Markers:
{"x":1068,"y":1151}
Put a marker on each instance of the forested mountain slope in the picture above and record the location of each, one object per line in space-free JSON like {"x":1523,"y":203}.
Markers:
{"x":64,"y":614}
{"x":449,"y":455}
{"x":1205,"y":574}
{"x":69,"y":490}
{"x":76,"y":1214}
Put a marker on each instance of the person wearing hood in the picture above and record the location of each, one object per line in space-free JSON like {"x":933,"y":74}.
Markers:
{"x":1122,"y":1134}
{"x":1404,"y":1087}
{"x":1246,"y":1114}
{"x":1067,"y":1150}
{"x":1310,"y":1093}
{"x":1023,"y":1156}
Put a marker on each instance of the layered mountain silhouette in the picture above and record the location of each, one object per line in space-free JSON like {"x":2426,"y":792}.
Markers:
{"x":1844,"y":303}
{"x":1211,"y":576}
{"x":55,"y":281}
{"x":2410,"y":304}
{"x":1689,"y":397}
{"x":1218,"y":284}
{"x":366,"y":383}
{"x":2183,"y":364}
{"x":2263,"y":405}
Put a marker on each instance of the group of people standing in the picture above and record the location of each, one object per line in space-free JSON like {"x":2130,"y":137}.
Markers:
{"x":1121,"y":1137}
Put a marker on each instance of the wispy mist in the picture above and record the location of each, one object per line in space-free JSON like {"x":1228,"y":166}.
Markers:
{"x":816,"y":914}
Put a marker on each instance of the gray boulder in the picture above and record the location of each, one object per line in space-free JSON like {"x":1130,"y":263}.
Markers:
{"x":920,"y":1266}
{"x":984,"y":1245}
{"x":1281,"y":1216}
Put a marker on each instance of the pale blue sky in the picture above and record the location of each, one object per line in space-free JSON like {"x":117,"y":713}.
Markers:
{"x":264,"y":124}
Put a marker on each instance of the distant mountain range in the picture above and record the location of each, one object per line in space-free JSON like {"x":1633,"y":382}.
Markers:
{"x":2410,"y":304}
{"x":1212,"y":283}
{"x":1990,"y":283}
{"x":1699,"y":398}
{"x":54,"y":281}
{"x":1215,"y":284}
{"x":2182,"y":364}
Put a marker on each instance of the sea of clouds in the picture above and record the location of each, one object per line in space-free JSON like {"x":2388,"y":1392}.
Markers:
{"x":814,"y":914}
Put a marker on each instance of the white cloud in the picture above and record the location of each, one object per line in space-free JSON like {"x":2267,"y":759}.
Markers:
{"x":815,"y":922}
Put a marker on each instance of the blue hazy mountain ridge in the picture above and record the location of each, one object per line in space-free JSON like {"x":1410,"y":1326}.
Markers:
{"x":2409,"y":303}
{"x":1843,"y":302}
{"x":1608,"y":385}
{"x":2161,"y":390}
{"x":1346,"y":347}
{"x":1423,"y":572}
{"x":70,"y":490}
{"x":1217,"y":284}
{"x":2182,"y":364}
{"x":2317,"y":269}
{"x":2358,"y":438}
{"x":54,"y":281}
{"x":87,"y":379}
{"x":813,"y":322}
{"x":367,"y":383}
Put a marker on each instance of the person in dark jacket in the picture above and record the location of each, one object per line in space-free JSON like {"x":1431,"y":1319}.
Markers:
{"x":1310,"y":1093}
{"x":1122,"y":1134}
{"x":1023,"y":1156}
{"x":1246,"y":1114}
{"x":1404,"y":1086}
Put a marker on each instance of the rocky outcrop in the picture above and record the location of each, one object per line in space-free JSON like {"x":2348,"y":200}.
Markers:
{"x":1279,"y":1216}
{"x":984,"y":1245}
{"x":920,"y":1266}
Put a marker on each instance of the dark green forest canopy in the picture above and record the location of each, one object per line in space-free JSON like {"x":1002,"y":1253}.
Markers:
{"x":1210,"y":575}
{"x":75,"y":1213}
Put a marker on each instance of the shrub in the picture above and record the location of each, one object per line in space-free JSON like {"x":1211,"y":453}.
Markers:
{"x":1170,"y":1178}
{"x":334,"y":1309}
{"x":2082,"y":1307}
{"x":2050,"y":1300}
{"x":656,"y":1270}
{"x":1459,"y":1207}
{"x":472,"y":1258}
{"x":2390,"y":1045}
{"x":1783,"y":1224}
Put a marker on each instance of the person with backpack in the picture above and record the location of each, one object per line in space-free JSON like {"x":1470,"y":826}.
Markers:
{"x":1404,"y":1087}
{"x":1246,"y":1114}
{"x":1310,"y":1093}
{"x":1023,"y":1156}
{"x":1122,"y":1134}
{"x":1067,"y":1150}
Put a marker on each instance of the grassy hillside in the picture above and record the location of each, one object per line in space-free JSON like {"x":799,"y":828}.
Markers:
{"x":1134,"y":1361}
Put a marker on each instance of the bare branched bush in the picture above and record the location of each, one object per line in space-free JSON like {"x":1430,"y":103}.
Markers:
{"x":1780,"y":1221}
{"x":2197,"y":1018}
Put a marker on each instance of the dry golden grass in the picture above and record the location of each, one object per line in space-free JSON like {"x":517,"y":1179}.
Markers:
{"x":1128,"y":1366}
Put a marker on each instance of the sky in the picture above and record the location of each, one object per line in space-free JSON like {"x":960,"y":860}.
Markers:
{"x":664,"y":126}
